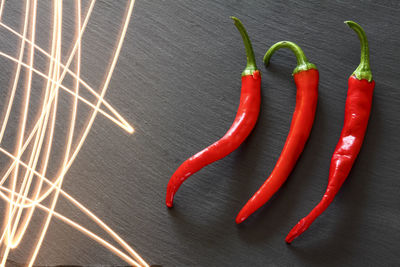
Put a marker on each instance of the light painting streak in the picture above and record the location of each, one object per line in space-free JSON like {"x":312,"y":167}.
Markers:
{"x":25,"y":184}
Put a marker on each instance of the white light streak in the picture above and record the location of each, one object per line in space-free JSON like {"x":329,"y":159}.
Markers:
{"x":25,"y":183}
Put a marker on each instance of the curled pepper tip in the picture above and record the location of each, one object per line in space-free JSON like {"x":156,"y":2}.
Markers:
{"x":290,"y":237}
{"x":170,"y":204}
{"x":169,"y":201}
{"x":244,"y":213}
{"x":297,"y":230}
{"x":239,"y":219}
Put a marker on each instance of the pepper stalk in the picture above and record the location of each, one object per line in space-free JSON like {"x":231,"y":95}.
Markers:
{"x":302,"y":62}
{"x":251,"y":66}
{"x":363,"y":70}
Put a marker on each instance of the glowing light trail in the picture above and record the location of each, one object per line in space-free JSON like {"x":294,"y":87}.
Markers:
{"x":28,"y":184}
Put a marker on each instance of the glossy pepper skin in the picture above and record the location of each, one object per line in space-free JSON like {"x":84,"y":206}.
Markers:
{"x":242,"y":126}
{"x":357,"y":111}
{"x":306,"y":79}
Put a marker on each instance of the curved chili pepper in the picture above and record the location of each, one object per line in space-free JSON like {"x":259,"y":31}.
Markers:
{"x":357,"y":110}
{"x":306,"y":78}
{"x":243,"y":124}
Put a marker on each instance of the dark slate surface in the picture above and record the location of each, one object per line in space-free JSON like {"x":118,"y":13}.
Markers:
{"x":178,"y":82}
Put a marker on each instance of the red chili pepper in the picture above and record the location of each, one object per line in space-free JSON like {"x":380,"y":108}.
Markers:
{"x":306,"y":78}
{"x":357,"y":110}
{"x":243,"y":124}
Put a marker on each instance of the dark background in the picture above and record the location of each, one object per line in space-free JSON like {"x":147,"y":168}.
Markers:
{"x":178,"y":82}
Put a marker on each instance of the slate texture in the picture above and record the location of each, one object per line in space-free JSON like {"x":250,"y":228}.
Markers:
{"x":178,"y":82}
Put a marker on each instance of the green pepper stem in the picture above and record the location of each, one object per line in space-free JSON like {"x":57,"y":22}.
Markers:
{"x":251,"y":61}
{"x":363,"y":70}
{"x":302,"y":62}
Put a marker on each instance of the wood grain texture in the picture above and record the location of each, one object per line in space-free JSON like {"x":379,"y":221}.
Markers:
{"x":178,"y":82}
